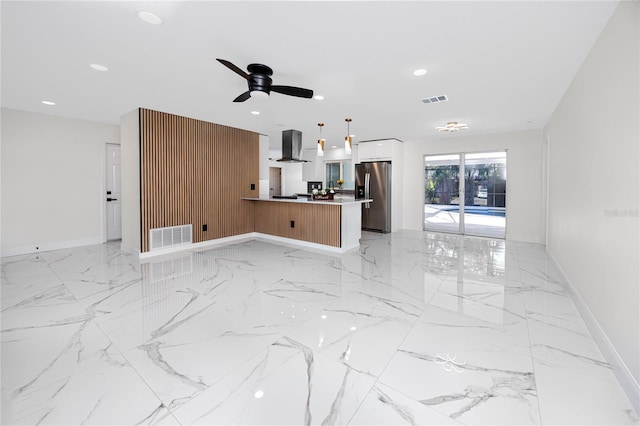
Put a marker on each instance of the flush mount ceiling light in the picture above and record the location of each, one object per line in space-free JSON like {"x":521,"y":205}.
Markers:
{"x":149,"y":18}
{"x":321,"y":142}
{"x":48,"y":103}
{"x":255,"y":112}
{"x":347,"y":139}
{"x":452,"y":126}
{"x":99,"y":67}
{"x":419,"y":72}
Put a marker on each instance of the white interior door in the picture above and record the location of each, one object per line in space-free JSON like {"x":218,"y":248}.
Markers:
{"x":114,"y":223}
{"x":275,"y":181}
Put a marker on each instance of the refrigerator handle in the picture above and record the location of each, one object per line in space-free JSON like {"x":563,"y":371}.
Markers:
{"x":367,"y":180}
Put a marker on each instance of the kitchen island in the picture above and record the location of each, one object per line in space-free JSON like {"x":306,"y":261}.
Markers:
{"x":327,"y":224}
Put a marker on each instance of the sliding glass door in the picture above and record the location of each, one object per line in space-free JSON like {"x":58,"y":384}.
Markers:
{"x":485,"y":194}
{"x":442,"y":193}
{"x":474,"y":204}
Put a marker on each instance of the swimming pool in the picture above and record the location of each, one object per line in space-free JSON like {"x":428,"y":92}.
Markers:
{"x":487,"y":211}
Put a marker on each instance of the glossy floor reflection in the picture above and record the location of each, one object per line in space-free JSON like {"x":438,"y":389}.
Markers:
{"x":413,"y":328}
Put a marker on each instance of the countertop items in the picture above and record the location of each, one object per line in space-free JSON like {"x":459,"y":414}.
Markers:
{"x":305,"y":200}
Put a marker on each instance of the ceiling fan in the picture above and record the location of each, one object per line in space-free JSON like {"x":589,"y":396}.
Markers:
{"x":259,"y":80}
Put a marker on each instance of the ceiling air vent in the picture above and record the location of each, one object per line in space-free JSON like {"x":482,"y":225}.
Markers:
{"x":434,"y":99}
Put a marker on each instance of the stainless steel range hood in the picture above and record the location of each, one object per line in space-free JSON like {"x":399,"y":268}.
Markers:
{"x":291,"y":146}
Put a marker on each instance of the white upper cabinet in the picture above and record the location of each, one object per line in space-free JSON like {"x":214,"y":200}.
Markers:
{"x":377,"y":150}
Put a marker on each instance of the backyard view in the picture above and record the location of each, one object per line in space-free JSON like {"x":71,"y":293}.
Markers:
{"x":466,"y":193}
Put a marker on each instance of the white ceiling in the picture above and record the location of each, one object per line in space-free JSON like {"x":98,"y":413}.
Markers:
{"x":503,"y":65}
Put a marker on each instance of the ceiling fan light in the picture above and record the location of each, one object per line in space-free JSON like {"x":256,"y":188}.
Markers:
{"x":259,"y":94}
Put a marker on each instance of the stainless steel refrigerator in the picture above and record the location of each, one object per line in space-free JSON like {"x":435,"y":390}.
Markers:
{"x":373,"y":180}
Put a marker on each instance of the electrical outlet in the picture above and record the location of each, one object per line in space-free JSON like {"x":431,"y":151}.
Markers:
{"x":293,"y":223}
{"x":204,"y":227}
{"x":253,"y":186}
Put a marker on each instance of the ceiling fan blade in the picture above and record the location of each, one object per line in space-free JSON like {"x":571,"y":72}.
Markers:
{"x":246,"y":95}
{"x":293,"y":91}
{"x":233,"y":68}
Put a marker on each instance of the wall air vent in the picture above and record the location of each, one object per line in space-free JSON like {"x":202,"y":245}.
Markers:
{"x":170,"y":236}
{"x":435,"y":99}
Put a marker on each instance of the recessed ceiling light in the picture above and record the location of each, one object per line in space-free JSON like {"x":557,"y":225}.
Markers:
{"x":48,"y":103}
{"x":334,"y":146}
{"x":255,"y":112}
{"x":99,"y":67}
{"x":318,"y":97}
{"x":419,"y":72}
{"x":149,"y":18}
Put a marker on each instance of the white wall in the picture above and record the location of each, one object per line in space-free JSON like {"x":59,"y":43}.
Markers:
{"x":330,"y":155}
{"x":291,"y":178}
{"x":130,"y":178}
{"x":593,"y":230}
{"x":53,"y":181}
{"x":524,"y":178}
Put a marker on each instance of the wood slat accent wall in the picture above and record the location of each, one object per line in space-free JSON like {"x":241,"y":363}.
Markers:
{"x":315,"y":223}
{"x":195,"y":172}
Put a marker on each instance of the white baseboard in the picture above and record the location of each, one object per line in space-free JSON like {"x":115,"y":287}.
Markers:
{"x":58,"y":245}
{"x":300,"y":244}
{"x":202,"y":244}
{"x":618,"y":366}
{"x":240,"y":238}
{"x":131,"y":250}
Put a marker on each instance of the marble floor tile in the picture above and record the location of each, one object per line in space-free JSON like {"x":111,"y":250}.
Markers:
{"x":411,"y":328}
{"x":289,"y":383}
{"x":26,"y":279}
{"x":464,"y":376}
{"x":109,"y":393}
{"x":181,"y":360}
{"x":359,"y":331}
{"x":385,"y":406}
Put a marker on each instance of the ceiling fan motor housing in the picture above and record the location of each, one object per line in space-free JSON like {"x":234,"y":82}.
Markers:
{"x":260,"y":83}
{"x":260,"y":79}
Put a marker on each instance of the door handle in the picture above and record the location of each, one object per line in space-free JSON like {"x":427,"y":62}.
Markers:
{"x":112,"y":199}
{"x":367,"y":182}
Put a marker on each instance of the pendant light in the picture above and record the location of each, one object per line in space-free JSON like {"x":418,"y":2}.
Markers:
{"x":347,"y":139}
{"x":320,"y":142}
